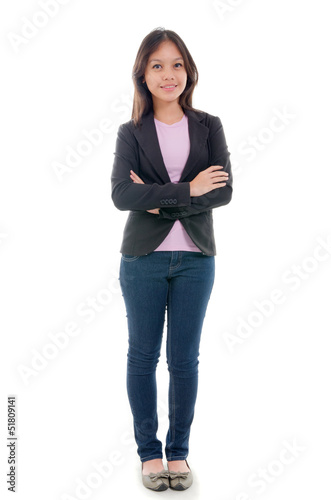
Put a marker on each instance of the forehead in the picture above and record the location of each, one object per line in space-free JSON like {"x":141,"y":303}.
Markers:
{"x":167,"y":50}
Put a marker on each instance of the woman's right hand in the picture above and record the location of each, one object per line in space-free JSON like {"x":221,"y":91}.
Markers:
{"x":207,"y":180}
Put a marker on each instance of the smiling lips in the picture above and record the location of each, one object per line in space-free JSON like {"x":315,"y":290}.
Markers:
{"x":169,"y":87}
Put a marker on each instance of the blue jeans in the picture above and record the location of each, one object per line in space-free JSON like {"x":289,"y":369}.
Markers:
{"x":180,"y":283}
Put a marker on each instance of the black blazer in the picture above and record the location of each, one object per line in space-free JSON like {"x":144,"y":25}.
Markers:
{"x":138,"y":149}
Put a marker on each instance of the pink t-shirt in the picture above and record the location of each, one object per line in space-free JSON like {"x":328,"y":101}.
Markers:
{"x":174,"y":143}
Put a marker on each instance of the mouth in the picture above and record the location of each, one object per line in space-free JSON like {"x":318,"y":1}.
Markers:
{"x":168,"y":87}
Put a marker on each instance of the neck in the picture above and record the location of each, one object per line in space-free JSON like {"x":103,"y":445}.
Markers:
{"x":168,"y":112}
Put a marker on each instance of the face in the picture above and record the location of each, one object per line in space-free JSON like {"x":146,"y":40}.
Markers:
{"x":165,"y":74}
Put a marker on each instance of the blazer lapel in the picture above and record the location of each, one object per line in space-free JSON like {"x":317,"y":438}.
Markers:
{"x":198,"y":135}
{"x":146,"y":135}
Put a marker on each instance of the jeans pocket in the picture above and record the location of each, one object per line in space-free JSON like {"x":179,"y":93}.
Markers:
{"x":129,"y":258}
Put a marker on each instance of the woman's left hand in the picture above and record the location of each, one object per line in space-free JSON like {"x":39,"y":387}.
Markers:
{"x":137,"y":180}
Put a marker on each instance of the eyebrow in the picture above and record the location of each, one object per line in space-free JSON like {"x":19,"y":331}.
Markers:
{"x":160,"y":60}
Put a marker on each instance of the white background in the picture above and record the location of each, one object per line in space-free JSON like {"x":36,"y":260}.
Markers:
{"x":60,"y":238}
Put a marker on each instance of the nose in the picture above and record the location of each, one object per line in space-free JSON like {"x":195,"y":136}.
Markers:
{"x":168,"y":74}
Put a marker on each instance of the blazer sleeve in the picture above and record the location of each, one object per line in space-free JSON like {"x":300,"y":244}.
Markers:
{"x":218,"y":155}
{"x":126,"y":194}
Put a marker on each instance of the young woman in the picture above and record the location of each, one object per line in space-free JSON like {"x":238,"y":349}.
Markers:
{"x":171,"y":168}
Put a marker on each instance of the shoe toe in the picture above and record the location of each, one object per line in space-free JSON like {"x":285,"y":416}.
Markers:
{"x":158,"y":481}
{"x":180,"y":480}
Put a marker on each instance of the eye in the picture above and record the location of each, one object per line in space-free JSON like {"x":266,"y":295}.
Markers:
{"x":156,"y":65}
{"x":178,"y":65}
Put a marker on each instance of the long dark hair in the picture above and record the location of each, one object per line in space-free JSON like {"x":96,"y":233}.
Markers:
{"x":142,"y":99}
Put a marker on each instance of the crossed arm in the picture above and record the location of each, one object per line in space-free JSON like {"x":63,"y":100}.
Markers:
{"x":211,"y":188}
{"x":209,"y":179}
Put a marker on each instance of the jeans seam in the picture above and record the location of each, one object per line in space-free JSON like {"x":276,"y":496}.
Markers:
{"x":173,"y":268}
{"x":174,"y":409}
{"x":172,"y":382}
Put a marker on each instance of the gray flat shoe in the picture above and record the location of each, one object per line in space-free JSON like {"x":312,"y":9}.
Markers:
{"x":158,"y":481}
{"x":180,"y":480}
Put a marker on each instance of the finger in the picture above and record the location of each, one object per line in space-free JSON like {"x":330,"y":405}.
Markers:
{"x":218,"y":172}
{"x":135,"y":178}
{"x":211,"y":169}
{"x":219,"y":185}
{"x":219,"y":175}
{"x":215,"y":167}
